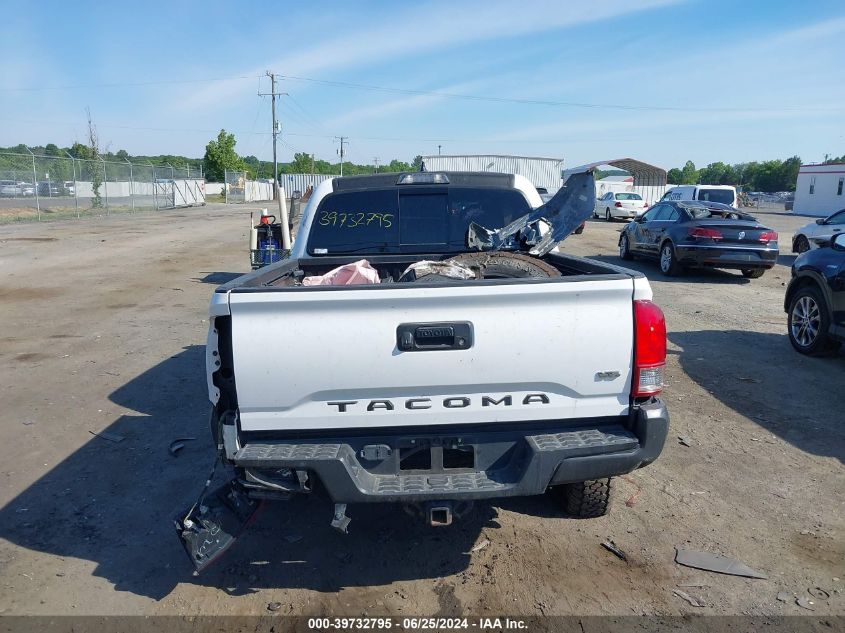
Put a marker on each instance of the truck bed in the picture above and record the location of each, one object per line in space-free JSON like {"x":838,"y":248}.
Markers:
{"x":330,"y":357}
{"x":281,"y":275}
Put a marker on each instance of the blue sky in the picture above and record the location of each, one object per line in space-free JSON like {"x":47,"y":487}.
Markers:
{"x":717,"y":80}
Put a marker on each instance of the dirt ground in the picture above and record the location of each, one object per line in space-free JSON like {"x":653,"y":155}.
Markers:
{"x":103,"y":326}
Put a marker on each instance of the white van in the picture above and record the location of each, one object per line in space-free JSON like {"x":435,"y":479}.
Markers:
{"x":723,"y":194}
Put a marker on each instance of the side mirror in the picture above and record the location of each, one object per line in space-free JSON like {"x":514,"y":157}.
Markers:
{"x":820,"y":221}
{"x":838,"y":243}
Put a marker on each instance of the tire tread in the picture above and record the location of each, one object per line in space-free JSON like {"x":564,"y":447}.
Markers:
{"x":516,"y":264}
{"x":588,"y":499}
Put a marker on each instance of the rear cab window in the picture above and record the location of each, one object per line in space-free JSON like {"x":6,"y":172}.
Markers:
{"x":356,"y":221}
{"x":415,"y":220}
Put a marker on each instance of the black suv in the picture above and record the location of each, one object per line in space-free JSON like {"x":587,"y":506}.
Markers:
{"x":815,"y":300}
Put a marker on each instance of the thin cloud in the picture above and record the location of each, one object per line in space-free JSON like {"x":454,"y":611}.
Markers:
{"x":711,"y":69}
{"x":424,"y":30}
{"x":403,"y":105}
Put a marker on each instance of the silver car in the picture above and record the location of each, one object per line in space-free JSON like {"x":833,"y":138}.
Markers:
{"x":819,"y":232}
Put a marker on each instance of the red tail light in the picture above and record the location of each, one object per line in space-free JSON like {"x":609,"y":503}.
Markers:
{"x":649,"y":349}
{"x":618,"y":205}
{"x":702,"y":232}
{"x":768,"y":236}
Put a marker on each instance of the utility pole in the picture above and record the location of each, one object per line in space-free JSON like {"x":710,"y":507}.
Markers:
{"x":342,"y":139}
{"x":438,"y":149}
{"x":277,"y":191}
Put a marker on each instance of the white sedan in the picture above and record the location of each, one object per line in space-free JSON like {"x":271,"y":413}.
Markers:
{"x":818,"y":233}
{"x":622,"y":204}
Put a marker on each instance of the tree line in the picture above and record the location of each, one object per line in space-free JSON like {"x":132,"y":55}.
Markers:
{"x":83,"y":152}
{"x":220,"y":155}
{"x":768,"y":175}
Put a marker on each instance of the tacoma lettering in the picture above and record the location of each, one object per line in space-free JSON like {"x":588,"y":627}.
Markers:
{"x":536,"y":397}
{"x":418,"y":403}
{"x":452,"y":402}
{"x":341,"y":406}
{"x":486,"y":401}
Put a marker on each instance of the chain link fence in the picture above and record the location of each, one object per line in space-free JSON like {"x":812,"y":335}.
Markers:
{"x":772,"y":202}
{"x":238,"y":188}
{"x":38,"y":187}
{"x":234,"y":188}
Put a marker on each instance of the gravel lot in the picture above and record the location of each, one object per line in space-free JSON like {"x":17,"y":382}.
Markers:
{"x":104,"y":322}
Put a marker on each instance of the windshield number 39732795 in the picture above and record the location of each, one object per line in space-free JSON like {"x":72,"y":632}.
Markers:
{"x":352,"y":220}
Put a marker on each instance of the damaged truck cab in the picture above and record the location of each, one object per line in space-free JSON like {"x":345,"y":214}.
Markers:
{"x":425,"y":344}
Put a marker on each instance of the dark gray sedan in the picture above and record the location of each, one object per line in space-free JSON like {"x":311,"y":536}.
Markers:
{"x":700,"y":235}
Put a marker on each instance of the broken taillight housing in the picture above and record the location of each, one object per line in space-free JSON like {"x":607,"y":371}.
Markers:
{"x":618,"y":205}
{"x":768,"y":236}
{"x":649,"y":349}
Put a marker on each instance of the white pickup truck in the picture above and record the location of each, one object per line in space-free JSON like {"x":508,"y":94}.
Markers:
{"x":538,"y":371}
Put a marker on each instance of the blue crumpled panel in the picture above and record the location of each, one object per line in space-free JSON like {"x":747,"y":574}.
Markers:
{"x":564,"y":212}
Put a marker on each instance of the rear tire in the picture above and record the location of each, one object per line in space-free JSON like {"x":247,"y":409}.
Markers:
{"x":802,"y":244}
{"x":669,"y":265}
{"x":587,"y":499}
{"x":625,"y":248}
{"x":753,"y":273}
{"x":497,"y":265}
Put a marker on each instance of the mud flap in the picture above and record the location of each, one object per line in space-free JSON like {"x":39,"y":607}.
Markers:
{"x":213,"y":525}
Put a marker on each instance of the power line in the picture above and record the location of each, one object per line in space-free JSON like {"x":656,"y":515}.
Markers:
{"x":257,"y":111}
{"x":314,"y":123}
{"x":399,"y":139}
{"x":299,"y":119}
{"x":541,"y":102}
{"x":295,"y":150}
{"x":448,"y":95}
{"x":122,"y":84}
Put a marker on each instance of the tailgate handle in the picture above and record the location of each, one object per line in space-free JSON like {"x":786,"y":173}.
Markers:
{"x":420,"y":337}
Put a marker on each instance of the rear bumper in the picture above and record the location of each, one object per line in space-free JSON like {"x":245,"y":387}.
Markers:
{"x":726,"y":256}
{"x":489,"y":463}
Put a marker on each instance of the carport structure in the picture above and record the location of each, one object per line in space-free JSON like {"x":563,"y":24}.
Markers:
{"x":649,"y":180}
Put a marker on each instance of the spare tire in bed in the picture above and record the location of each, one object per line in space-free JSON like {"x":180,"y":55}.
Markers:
{"x":503,"y":265}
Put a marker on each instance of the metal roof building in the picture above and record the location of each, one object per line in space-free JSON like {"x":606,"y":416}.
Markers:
{"x":648,"y":180}
{"x":542,"y":172}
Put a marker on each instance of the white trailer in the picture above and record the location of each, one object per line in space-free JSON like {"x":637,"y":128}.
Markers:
{"x":819,"y":189}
